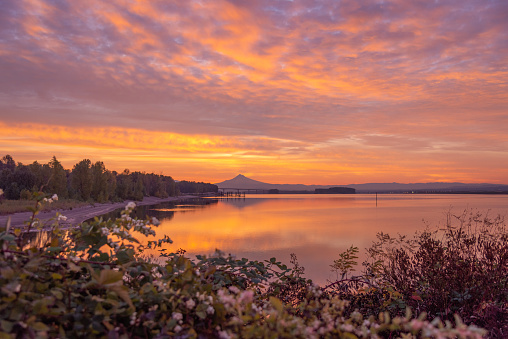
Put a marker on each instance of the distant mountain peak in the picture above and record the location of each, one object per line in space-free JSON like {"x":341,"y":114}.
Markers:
{"x":241,"y":181}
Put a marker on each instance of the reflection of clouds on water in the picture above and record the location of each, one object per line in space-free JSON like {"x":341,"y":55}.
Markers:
{"x":241,"y":203}
{"x":36,"y":239}
{"x":254,"y":199}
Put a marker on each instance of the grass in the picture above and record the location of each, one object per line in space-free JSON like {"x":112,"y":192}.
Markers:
{"x":15,"y":206}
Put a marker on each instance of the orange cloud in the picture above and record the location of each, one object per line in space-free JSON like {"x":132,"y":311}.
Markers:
{"x":198,"y":157}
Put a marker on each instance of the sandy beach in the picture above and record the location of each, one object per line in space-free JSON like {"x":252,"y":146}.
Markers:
{"x":80,"y":214}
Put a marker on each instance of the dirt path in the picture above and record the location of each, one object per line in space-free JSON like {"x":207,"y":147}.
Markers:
{"x":80,"y":214}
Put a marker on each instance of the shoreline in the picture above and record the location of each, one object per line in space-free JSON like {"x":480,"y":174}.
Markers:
{"x":79,"y":214}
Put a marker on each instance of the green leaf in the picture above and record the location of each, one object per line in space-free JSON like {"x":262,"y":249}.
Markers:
{"x":57,"y":293}
{"x":276,"y":303}
{"x":73,"y":267}
{"x":122,"y":292}
{"x":110,"y":277}
{"x":123,"y":257}
{"x":7,"y":273}
{"x":6,"y":325}
{"x":38,"y":326}
{"x":56,"y":276}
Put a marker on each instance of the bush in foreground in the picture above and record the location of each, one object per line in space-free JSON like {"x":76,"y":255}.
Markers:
{"x":461,"y":268}
{"x":95,"y":282}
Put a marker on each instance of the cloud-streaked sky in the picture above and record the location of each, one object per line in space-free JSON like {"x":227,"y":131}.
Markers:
{"x":314,"y":92}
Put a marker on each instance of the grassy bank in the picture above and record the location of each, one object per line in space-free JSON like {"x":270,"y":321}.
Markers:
{"x":15,"y":206}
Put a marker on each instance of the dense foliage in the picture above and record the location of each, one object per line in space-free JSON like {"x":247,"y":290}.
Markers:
{"x":461,"y":268}
{"x":96,"y":281}
{"x":89,"y":181}
{"x":195,"y":187}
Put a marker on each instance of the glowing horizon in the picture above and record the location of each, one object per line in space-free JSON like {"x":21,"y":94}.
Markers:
{"x":291,"y":92}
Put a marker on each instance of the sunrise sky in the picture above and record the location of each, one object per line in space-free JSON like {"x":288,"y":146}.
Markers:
{"x":312,"y":92}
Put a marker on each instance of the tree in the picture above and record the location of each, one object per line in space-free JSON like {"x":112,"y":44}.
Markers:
{"x":24,"y":178}
{"x":111,"y":185}
{"x":123,"y":185}
{"x":99,"y":182}
{"x":58,"y":180}
{"x":81,"y":181}
{"x":12,"y":192}
{"x":42,"y":173}
{"x":5,"y":178}
{"x":8,"y":162}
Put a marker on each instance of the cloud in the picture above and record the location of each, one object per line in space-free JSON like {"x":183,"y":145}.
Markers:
{"x":411,"y":77}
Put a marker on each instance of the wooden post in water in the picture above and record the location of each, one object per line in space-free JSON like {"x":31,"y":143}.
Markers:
{"x":376,"y":199}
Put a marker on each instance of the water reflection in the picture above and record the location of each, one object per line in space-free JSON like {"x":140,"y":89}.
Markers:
{"x":314,"y":227}
{"x":165,"y":210}
{"x":37,"y":239}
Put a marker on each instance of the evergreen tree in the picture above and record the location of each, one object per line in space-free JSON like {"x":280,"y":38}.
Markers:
{"x":111,"y":186}
{"x":99,"y":182}
{"x":81,"y":181}
{"x":58,"y":180}
{"x":42,"y":173}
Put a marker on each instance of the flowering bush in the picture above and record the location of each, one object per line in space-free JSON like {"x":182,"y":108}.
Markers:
{"x":460,"y":268}
{"x":94,"y":281}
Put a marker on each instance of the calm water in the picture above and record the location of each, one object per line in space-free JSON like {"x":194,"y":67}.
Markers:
{"x":314,"y":227}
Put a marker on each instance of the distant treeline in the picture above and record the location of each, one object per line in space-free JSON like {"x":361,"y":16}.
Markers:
{"x":89,"y":181}
{"x":335,"y":190}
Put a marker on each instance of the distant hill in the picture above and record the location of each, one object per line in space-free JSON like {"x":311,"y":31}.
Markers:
{"x":241,"y":181}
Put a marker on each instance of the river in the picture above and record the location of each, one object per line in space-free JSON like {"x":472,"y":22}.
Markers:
{"x":314,"y":227}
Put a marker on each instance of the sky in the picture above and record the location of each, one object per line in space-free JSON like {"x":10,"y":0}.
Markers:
{"x":310,"y":92}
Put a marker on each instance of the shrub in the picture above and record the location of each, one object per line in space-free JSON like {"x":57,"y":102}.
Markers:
{"x":461,"y":268}
{"x":25,"y":194}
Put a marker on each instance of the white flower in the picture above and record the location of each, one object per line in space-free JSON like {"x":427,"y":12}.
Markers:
{"x":210,"y":310}
{"x":130,"y":205}
{"x":133,"y":318}
{"x":54,"y":197}
{"x":234,"y":289}
{"x":104,"y":231}
{"x":347,"y":327}
{"x":246,"y":297}
{"x":177,"y":316}
{"x":62,"y":218}
{"x":177,"y":328}
{"x":190,"y":304}
{"x":224,"y":335}
{"x":155,"y":221}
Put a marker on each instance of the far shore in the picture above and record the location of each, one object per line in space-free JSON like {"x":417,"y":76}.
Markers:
{"x":79,"y":214}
